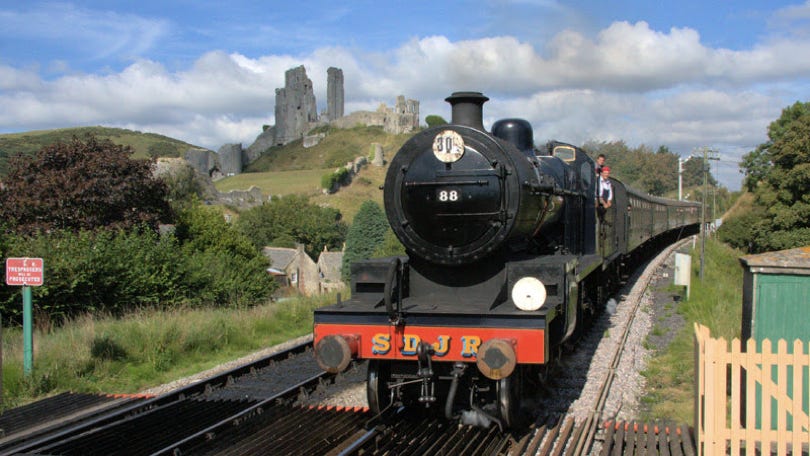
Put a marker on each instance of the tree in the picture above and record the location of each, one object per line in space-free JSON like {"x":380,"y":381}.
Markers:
{"x":293,"y":218}
{"x":651,"y":172}
{"x":433,"y":120}
{"x":82,"y":185}
{"x":755,"y":166}
{"x":390,"y":246}
{"x":758,"y":164}
{"x":365,"y":235}
{"x":660,"y":171}
{"x":778,"y":172}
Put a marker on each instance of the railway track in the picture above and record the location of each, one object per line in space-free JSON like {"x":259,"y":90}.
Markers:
{"x":564,"y":431}
{"x":126,"y":421}
{"x":241,"y":412}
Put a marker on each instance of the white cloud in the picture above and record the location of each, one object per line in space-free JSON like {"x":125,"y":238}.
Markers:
{"x":627,"y":82}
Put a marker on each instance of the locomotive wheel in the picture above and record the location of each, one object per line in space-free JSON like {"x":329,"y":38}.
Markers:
{"x":380,"y":397}
{"x":509,"y":391}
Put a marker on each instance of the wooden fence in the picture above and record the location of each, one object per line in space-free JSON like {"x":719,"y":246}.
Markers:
{"x":750,"y":401}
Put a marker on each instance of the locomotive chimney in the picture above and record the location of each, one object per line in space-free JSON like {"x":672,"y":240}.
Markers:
{"x":468,"y":108}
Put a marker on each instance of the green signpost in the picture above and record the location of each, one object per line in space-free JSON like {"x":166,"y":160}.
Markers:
{"x":26,"y":272}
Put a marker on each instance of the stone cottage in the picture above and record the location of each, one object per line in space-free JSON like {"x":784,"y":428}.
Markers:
{"x":294,"y":269}
{"x":329,"y":266}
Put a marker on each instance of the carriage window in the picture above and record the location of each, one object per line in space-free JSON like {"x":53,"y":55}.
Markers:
{"x":566,"y":153}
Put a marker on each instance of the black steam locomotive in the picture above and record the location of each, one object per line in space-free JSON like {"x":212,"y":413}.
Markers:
{"x":507,"y":261}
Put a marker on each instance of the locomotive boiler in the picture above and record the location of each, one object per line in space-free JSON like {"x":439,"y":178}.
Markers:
{"x":506,"y":261}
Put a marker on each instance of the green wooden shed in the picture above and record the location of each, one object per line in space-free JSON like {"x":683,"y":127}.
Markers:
{"x":776,"y":295}
{"x":776,"y":305}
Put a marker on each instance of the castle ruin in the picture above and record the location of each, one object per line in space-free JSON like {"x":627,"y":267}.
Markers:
{"x":296,"y":111}
{"x":296,"y":114}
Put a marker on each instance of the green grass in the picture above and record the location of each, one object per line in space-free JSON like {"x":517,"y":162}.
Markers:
{"x":365,"y":186}
{"x":302,"y":182}
{"x":336,"y":149}
{"x":715,"y":302}
{"x":127,"y":355}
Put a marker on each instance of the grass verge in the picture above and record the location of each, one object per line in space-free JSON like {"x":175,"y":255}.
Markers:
{"x":716,"y":302}
{"x":107,"y":355}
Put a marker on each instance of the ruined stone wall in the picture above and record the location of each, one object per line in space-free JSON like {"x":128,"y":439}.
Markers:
{"x":231,"y":158}
{"x":405,"y":116}
{"x":264,"y":141}
{"x":313,"y":140}
{"x":295,"y":106}
{"x":377,"y":156}
{"x":203,"y":161}
{"x":243,"y":198}
{"x":402,"y":118}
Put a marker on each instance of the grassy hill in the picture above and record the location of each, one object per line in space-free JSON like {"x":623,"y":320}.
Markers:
{"x":294,"y":169}
{"x":336,"y":149}
{"x":143,"y":144}
{"x":279,"y":171}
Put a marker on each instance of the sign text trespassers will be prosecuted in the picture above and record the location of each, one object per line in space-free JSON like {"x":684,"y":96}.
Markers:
{"x":24,"y":271}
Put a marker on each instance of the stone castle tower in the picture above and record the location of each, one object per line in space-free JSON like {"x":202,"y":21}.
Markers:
{"x":334,"y":94}
{"x":295,"y":106}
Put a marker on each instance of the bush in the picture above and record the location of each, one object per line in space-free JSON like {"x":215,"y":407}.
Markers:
{"x":433,"y":120}
{"x":206,"y":262}
{"x":105,"y":271}
{"x":365,"y":235}
{"x":221,"y":264}
{"x":737,"y":231}
{"x":328,"y":182}
{"x":226,"y":279}
{"x":183,"y":186}
{"x":331,"y":181}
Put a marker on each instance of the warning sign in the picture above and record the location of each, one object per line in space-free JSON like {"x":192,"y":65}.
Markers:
{"x":24,"y":271}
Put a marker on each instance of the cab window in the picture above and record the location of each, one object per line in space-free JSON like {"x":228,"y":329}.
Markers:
{"x":565,"y":153}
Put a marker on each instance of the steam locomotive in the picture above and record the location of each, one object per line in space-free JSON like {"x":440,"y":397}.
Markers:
{"x":507,"y":261}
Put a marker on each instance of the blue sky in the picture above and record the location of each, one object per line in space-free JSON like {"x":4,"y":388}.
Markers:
{"x":683,"y":74}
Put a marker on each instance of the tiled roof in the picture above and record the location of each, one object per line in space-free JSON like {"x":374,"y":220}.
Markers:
{"x":280,"y":257}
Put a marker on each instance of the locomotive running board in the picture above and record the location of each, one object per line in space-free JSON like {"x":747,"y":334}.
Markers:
{"x":587,"y":264}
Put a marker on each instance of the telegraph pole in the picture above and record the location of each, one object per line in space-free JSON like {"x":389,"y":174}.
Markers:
{"x":708,"y":154}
